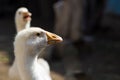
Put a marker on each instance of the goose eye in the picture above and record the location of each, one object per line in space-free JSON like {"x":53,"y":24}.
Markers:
{"x":40,"y":34}
{"x":37,"y":34}
{"x":19,"y":13}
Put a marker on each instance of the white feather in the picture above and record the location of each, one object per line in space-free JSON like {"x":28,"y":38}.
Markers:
{"x":27,"y":63}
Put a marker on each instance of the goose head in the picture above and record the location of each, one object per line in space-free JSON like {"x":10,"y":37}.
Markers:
{"x":33,"y":40}
{"x":22,"y":18}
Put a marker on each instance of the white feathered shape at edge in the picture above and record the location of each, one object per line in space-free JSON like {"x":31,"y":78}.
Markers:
{"x":28,"y":44}
{"x":22,"y":21}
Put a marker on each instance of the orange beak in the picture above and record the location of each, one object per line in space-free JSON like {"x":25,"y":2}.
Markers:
{"x":27,"y":16}
{"x":53,"y":38}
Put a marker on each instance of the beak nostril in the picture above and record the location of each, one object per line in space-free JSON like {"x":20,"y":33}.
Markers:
{"x":54,"y":36}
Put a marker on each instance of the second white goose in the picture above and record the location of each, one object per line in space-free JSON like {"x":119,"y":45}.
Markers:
{"x":22,"y":19}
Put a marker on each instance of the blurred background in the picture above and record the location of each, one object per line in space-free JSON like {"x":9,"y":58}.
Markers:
{"x":90,"y":29}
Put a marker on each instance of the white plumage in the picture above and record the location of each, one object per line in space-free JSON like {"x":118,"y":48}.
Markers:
{"x":22,"y":19}
{"x":28,"y":44}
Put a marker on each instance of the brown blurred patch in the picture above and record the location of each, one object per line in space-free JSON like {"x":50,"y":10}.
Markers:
{"x":56,"y":76}
{"x":4,"y":72}
{"x":4,"y":57}
{"x":4,"y":60}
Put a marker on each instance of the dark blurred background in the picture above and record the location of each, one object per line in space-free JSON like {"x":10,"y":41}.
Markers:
{"x":91,"y":32}
{"x":41,"y":10}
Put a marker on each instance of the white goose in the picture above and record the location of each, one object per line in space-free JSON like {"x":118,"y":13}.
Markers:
{"x":22,"y":19}
{"x":28,"y":44}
